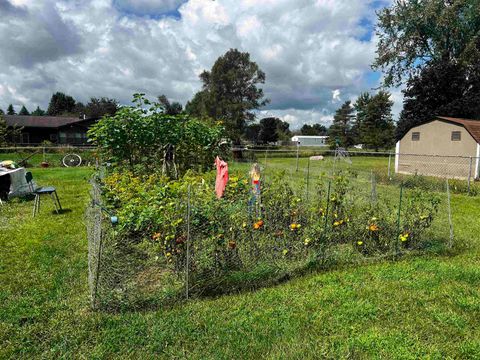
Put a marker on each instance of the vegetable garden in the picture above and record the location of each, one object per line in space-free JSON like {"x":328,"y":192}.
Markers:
{"x":176,"y":239}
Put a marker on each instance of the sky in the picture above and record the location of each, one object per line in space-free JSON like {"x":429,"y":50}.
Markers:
{"x":316,"y":54}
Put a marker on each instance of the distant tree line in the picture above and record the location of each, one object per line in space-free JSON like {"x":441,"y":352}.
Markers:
{"x":65,"y":105}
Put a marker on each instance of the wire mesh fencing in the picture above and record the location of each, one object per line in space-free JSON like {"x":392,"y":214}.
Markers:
{"x":304,"y":214}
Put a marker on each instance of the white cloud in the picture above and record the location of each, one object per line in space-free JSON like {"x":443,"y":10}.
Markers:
{"x":336,"y":95}
{"x":311,"y":51}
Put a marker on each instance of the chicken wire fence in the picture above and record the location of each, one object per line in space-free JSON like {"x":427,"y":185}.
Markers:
{"x":310,"y":214}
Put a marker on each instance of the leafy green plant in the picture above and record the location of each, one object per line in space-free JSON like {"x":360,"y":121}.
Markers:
{"x":145,"y":139}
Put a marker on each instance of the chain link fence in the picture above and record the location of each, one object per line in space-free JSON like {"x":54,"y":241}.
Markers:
{"x":315,"y":210}
{"x":48,"y":156}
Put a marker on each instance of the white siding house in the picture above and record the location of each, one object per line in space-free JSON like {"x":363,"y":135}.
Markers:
{"x":301,"y":140}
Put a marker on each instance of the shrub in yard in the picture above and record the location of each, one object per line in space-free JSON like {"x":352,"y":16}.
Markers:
{"x":146,"y":140}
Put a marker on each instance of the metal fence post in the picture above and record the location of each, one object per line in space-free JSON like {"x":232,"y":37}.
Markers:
{"x":450,"y":223}
{"x":470,"y":174}
{"x":373,"y":187}
{"x":389,"y":166}
{"x":187,"y":262}
{"x":328,"y":207}
{"x":398,"y":219}
{"x":298,"y":149}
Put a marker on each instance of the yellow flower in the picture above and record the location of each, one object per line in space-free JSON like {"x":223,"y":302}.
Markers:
{"x":359,"y":242}
{"x":307,"y":241}
{"x":244,"y":225}
{"x":338,"y":223}
{"x":373,"y":227}
{"x":285,"y":252}
{"x":404,"y":237}
{"x":294,"y":226}
{"x":168,"y":254}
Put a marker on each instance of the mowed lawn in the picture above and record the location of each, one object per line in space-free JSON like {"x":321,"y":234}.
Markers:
{"x":425,"y":307}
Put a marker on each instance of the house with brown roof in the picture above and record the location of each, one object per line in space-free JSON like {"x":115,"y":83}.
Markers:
{"x":33,"y":130}
{"x":443,"y":147}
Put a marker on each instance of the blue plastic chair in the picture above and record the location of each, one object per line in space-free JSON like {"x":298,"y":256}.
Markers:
{"x":43,"y":190}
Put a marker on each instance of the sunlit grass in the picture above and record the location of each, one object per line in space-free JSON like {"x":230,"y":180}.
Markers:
{"x":426,"y":307}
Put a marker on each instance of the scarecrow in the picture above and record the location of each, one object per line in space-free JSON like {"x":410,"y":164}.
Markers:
{"x":255,"y":199}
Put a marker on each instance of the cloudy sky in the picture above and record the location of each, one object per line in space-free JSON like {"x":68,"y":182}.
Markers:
{"x":315,"y":53}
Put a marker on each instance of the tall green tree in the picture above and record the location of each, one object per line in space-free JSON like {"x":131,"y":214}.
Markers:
{"x":98,"y":107}
{"x":413,"y":34}
{"x":230,"y":92}
{"x":252,"y":132}
{"x":375,"y":121}
{"x":170,"y":108}
{"x":340,"y":132}
{"x":1,"y":111}
{"x":24,"y":111}
{"x":38,"y":112}
{"x":11,"y":110}
{"x":314,"y":130}
{"x":61,"y":104}
{"x":441,"y":89}
{"x":273,"y":129}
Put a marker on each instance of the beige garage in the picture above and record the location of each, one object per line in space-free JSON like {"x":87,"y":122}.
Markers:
{"x":443,"y":147}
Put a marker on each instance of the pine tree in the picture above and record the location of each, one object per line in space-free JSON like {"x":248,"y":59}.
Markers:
{"x":374,"y":120}
{"x":11,"y":110}
{"x":38,"y":112}
{"x":23,"y":111}
{"x":340,"y":133}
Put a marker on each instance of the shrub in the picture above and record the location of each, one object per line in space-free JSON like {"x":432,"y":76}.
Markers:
{"x":148,"y":140}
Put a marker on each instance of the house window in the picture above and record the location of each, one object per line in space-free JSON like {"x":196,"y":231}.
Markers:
{"x":415,"y":136}
{"x":456,"y":136}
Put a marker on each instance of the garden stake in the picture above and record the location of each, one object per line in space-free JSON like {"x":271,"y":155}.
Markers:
{"x":188,"y":242}
{"x":373,"y":187}
{"x":328,"y":207}
{"x":449,"y":215}
{"x":398,"y":219}
{"x":308,"y":178}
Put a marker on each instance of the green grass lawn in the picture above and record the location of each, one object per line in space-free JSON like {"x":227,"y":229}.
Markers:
{"x":424,"y":307}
